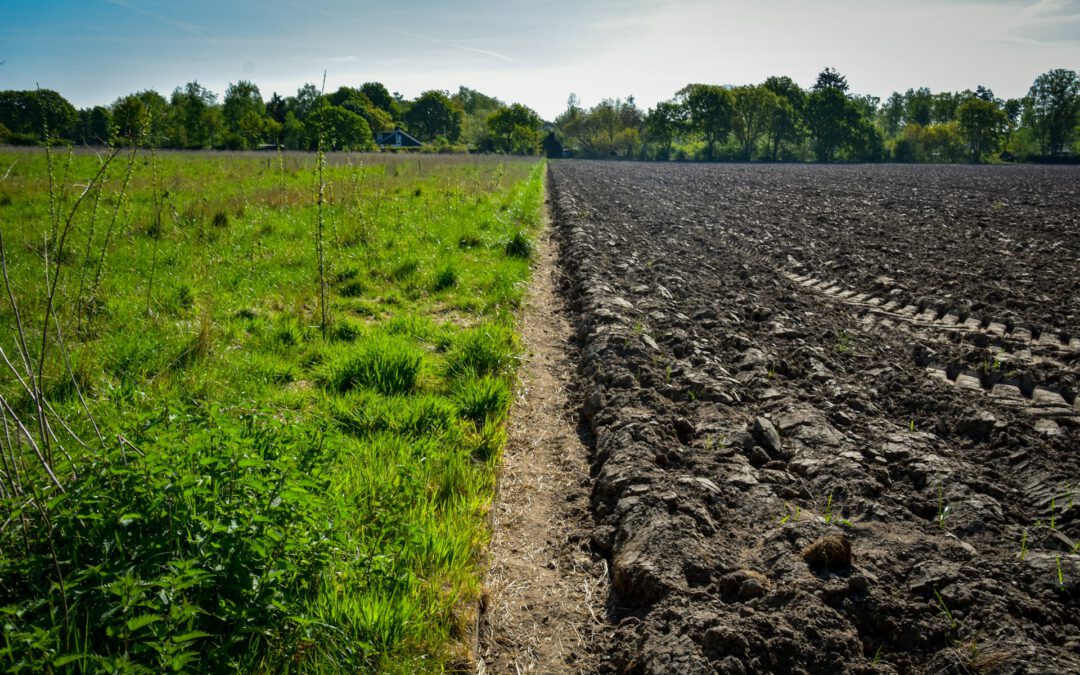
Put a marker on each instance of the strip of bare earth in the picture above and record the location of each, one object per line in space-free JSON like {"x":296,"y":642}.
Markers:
{"x":545,"y":592}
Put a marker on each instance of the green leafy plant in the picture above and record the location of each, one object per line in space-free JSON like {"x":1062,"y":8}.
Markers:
{"x":843,"y":342}
{"x":793,"y":513}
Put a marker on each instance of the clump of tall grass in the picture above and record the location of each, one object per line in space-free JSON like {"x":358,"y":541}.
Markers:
{"x":404,"y":270}
{"x":487,"y":349}
{"x":446,"y":277}
{"x":519,"y":246}
{"x":287,"y":332}
{"x":483,"y":399}
{"x":346,"y":330}
{"x":425,"y":415}
{"x":387,"y":365}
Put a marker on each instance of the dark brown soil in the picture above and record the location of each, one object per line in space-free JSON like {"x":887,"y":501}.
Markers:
{"x":832,"y":412}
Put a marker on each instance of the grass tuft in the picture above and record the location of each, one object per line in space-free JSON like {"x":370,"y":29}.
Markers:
{"x":482,"y":400}
{"x":446,"y":277}
{"x":387,"y":365}
{"x":487,"y":349}
{"x":519,"y":246}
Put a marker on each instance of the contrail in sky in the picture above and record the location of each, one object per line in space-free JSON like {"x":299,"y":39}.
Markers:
{"x":418,"y":36}
{"x":197,"y":31}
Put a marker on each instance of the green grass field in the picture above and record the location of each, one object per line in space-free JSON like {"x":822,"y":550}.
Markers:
{"x":237,"y":485}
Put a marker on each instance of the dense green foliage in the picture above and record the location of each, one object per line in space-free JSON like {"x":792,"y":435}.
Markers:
{"x":777,"y":120}
{"x":347,"y":119}
{"x":238,"y":492}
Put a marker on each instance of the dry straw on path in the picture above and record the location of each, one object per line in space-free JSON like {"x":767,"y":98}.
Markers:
{"x":545,"y":592}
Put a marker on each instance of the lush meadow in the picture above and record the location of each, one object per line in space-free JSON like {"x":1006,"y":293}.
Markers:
{"x":252,"y":405}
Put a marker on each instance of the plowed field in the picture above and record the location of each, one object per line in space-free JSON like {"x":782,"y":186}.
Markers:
{"x":833,"y":413}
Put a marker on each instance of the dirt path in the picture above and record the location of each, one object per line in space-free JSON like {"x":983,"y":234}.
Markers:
{"x":545,"y":593}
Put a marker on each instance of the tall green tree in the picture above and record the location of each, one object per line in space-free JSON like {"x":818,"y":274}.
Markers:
{"x":306,"y":100}
{"x":569,"y":123}
{"x":338,"y":129}
{"x":892,"y":116}
{"x":1053,"y":108}
{"x":516,"y":129}
{"x":662,"y":124}
{"x":830,"y":115}
{"x":99,"y":128}
{"x":785,"y":119}
{"x":709,"y":111}
{"x":245,"y":115}
{"x":276,"y":108}
{"x":611,"y":128}
{"x":943,"y":106}
{"x":142,"y":118}
{"x":191,"y":116}
{"x":432,"y":115}
{"x":356,"y":101}
{"x":982,"y":123}
{"x":477,"y":108}
{"x":752,"y":108}
{"x":378,"y":94}
{"x":830,"y":78}
{"x":30,"y":113}
{"x":919,"y":106}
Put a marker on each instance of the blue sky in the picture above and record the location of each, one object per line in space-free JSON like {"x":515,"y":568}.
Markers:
{"x":537,"y":53}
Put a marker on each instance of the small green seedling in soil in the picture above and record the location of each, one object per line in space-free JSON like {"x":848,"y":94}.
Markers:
{"x":830,"y":516}
{"x":791,"y":514}
{"x":1053,"y":513}
{"x":942,"y":507}
{"x":1060,"y":575}
{"x":945,"y":610}
{"x":716,"y":442}
{"x":843,"y":342}
{"x":1023,"y":545}
{"x":912,"y":425}
{"x":828,"y":511}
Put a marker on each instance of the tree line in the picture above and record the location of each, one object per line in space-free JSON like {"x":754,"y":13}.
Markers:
{"x":778,"y":120}
{"x":349,"y":118}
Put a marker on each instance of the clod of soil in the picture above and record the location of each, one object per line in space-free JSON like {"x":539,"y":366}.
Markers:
{"x":829,"y":552}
